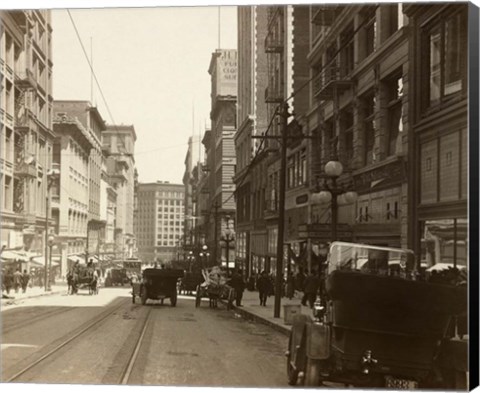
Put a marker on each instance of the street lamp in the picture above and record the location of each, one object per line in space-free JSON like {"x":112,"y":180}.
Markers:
{"x":329,"y":192}
{"x":51,"y":240}
{"x":52,"y":175}
{"x":204,"y":254}
{"x":190,"y":259}
{"x":228,"y":236}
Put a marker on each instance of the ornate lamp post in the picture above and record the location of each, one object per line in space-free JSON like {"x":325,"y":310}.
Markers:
{"x":329,"y":191}
{"x":190,"y":259}
{"x":228,"y":236}
{"x":204,"y":254}
{"x":50,"y":241}
{"x":52,"y":175}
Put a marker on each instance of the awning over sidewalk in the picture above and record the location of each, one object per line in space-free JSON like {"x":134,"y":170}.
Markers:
{"x":19,"y":256}
{"x":76,"y":258}
{"x":41,"y":261}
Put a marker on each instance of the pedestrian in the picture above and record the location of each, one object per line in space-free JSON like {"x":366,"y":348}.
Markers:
{"x":25,"y":280}
{"x":70,"y":282}
{"x":300,"y":280}
{"x":237,"y":283}
{"x":9,"y":281}
{"x":312,"y":283}
{"x":17,"y":280}
{"x":264,"y":286}
{"x":290,"y":287}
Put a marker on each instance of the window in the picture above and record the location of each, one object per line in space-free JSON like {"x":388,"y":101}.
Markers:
{"x":368,"y":102}
{"x":394,"y":93}
{"x":446,"y":61}
{"x":370,"y":33}
{"x":346,"y":124}
{"x":347,"y":53}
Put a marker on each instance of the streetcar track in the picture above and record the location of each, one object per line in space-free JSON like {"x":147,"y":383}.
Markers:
{"x":133,"y":358}
{"x":103,"y":316}
{"x":33,"y":320}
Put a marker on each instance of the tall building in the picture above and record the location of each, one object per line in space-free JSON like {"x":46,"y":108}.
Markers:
{"x":192,"y":159}
{"x":26,"y":136}
{"x":118,"y":144}
{"x":159,"y":221}
{"x":438,"y":132}
{"x":71,"y":197}
{"x":285,"y":34}
{"x":221,"y":158}
{"x":250,"y":177}
{"x":88,"y":116}
{"x":359,"y":60}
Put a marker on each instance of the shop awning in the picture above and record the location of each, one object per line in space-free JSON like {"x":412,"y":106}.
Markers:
{"x":76,"y":258}
{"x":41,"y":261}
{"x":10,"y":255}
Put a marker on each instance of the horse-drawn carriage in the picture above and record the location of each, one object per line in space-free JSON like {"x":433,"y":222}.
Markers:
{"x":83,"y":276}
{"x":214,"y":287}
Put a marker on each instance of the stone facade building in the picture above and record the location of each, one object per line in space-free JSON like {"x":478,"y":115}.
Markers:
{"x":26,"y":136}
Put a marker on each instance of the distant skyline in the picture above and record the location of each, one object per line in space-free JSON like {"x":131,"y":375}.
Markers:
{"x":152,"y":66}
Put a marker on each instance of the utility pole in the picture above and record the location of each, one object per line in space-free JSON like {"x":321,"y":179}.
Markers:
{"x":215,"y":217}
{"x":283,"y":138}
{"x":46,"y":242}
{"x":281,"y":211}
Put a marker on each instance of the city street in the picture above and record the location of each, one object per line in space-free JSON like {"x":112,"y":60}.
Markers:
{"x":93,"y":340}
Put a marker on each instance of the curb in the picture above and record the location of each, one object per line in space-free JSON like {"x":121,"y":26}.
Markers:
{"x":34,"y":296}
{"x":285,"y":330}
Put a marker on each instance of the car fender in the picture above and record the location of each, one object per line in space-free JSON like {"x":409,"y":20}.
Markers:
{"x":318,"y":341}
{"x":297,"y":347}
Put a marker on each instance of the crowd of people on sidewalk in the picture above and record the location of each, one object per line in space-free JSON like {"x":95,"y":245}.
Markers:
{"x":14,"y":280}
{"x":307,"y":284}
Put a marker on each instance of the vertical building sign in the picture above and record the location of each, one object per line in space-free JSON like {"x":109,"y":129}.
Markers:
{"x":227,"y":73}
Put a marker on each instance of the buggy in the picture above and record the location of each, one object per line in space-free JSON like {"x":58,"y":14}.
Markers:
{"x":189,"y":282}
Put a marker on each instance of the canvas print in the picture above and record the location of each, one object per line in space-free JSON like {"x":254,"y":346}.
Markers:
{"x":236,"y":196}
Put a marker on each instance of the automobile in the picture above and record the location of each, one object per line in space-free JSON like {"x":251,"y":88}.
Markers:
{"x":157,"y":284}
{"x":374,"y":327}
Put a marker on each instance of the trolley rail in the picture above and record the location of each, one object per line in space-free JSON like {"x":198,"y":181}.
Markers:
{"x":133,"y":358}
{"x":35,"y":319}
{"x":83,"y":329}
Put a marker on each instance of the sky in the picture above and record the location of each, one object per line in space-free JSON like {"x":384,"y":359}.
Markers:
{"x":152,"y":67}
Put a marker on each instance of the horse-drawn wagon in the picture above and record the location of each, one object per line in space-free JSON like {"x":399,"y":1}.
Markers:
{"x":214,"y":287}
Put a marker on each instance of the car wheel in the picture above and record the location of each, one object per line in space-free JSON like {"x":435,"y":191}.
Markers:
{"x":173,"y":299}
{"x":312,"y":372}
{"x":292,"y":372}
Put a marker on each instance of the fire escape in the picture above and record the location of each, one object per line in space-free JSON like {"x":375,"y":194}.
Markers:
{"x":25,"y":166}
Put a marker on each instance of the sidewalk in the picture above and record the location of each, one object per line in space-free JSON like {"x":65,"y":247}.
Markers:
{"x":33,"y":293}
{"x":264,"y":314}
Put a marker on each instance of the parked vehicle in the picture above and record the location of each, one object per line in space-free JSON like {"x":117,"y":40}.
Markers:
{"x":377,"y":323}
{"x":157,"y":284}
{"x":116,"y":277}
{"x":189,"y":282}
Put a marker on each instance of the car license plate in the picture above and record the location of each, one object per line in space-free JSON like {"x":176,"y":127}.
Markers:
{"x":400,"y":384}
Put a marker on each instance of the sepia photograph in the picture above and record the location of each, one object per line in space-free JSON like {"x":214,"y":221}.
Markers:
{"x":239,"y":196}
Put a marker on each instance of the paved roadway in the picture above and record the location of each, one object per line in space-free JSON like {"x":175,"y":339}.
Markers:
{"x":181,"y":346}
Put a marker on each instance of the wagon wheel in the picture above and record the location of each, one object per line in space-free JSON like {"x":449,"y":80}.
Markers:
{"x":143,"y":295}
{"x":198,"y":297}
{"x":173,"y":299}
